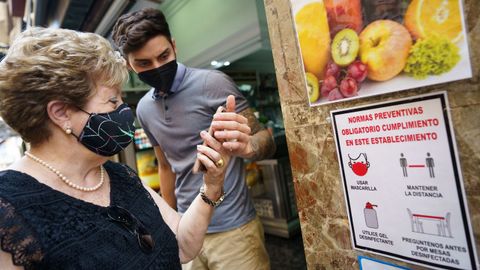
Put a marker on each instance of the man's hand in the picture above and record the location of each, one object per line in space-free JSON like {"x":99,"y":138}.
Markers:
{"x":233,"y":130}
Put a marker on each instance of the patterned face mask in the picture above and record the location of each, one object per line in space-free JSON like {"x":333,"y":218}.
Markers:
{"x":108,"y":133}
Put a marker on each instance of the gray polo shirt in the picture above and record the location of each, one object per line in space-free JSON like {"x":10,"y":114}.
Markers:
{"x":174,"y":123}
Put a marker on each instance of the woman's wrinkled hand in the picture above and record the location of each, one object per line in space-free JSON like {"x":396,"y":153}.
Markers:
{"x":215,"y":158}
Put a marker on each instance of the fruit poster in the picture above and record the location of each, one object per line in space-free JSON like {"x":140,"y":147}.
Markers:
{"x":403,"y":182}
{"x":358,"y":48}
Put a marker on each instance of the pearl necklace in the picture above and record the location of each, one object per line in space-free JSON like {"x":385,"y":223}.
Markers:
{"x":65,"y":179}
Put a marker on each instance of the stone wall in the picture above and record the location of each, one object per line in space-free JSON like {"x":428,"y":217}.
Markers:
{"x":318,"y":184}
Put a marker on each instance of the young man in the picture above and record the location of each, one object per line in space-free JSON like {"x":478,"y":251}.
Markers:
{"x":181,"y":103}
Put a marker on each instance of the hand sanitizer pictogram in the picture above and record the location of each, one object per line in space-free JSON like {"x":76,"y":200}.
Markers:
{"x":370,"y":216}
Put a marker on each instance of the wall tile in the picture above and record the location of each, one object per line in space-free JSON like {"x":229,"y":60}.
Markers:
{"x":318,"y":186}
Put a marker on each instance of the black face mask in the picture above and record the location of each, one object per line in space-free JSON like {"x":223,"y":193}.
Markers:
{"x":160,"y":78}
{"x":108,"y":133}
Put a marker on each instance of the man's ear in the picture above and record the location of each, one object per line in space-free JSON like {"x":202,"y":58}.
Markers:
{"x":129,"y":67}
{"x":59,"y":113}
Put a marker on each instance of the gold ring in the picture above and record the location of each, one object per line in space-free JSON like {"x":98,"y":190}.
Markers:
{"x":220,"y":163}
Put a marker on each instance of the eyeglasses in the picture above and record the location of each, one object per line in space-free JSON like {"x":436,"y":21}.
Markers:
{"x":133,"y":225}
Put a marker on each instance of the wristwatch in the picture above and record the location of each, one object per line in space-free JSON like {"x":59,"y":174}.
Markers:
{"x":210,"y":202}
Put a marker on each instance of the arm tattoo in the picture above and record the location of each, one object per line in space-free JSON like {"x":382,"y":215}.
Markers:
{"x":261,"y":141}
{"x":252,"y":120}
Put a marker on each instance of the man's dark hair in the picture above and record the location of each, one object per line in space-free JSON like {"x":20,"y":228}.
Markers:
{"x":133,"y":30}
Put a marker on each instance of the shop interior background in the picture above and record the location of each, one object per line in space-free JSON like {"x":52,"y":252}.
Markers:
{"x":228,"y":35}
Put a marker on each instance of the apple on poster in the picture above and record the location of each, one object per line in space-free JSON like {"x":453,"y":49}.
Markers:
{"x":358,"y":48}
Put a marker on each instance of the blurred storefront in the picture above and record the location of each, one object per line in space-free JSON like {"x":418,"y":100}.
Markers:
{"x":227,"y":35}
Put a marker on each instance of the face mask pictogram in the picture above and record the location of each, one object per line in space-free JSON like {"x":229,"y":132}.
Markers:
{"x":359,"y":165}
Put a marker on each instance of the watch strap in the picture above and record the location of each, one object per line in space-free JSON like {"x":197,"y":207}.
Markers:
{"x":208,"y":201}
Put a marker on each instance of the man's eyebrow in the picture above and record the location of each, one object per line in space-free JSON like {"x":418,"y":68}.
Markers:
{"x":148,"y":59}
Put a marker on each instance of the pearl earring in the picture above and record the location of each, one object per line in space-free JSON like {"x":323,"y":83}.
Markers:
{"x":68,"y":131}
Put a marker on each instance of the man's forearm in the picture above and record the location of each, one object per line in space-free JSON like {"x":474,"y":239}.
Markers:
{"x":262,"y":145}
{"x":167,"y":187}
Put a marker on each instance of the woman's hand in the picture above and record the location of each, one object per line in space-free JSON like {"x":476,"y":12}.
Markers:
{"x":215,"y":158}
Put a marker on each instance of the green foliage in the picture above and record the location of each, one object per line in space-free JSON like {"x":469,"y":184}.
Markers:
{"x":432,"y":55}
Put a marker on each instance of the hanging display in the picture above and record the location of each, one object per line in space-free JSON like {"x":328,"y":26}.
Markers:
{"x":358,"y":48}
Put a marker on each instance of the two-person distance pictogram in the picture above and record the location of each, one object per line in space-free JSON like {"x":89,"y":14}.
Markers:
{"x":429,"y":164}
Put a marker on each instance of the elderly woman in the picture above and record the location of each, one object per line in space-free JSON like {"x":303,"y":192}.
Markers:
{"x":64,"y":205}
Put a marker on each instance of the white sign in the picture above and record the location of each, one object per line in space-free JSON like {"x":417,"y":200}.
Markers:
{"x":402,"y":182}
